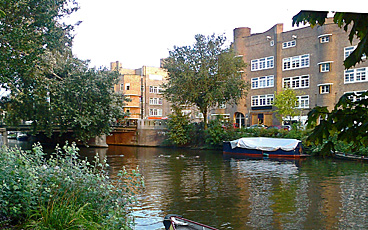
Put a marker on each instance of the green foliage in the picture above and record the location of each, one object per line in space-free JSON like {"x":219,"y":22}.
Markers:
{"x":63,"y":191}
{"x":216,"y":133}
{"x":355,"y":23}
{"x":179,"y":128}
{"x":48,"y":85}
{"x":204,"y":75}
{"x":286,"y":102}
{"x":348,"y":121}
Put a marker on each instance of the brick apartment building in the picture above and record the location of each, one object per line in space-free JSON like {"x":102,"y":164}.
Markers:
{"x":142,"y":86}
{"x":309,"y":60}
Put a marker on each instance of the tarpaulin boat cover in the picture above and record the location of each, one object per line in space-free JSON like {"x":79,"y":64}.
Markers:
{"x":265,"y":143}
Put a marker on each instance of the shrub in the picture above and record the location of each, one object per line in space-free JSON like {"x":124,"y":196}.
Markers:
{"x":63,"y":191}
{"x":178,"y":126}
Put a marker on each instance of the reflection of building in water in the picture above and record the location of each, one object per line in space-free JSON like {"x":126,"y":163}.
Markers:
{"x":276,"y":195}
{"x":354,"y":204}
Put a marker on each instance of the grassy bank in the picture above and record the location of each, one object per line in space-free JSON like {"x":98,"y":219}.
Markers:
{"x":62,"y":191}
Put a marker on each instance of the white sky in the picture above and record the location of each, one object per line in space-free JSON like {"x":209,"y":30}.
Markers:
{"x":140,"y":32}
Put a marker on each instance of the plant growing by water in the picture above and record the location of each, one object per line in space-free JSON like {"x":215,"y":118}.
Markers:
{"x":62,"y":191}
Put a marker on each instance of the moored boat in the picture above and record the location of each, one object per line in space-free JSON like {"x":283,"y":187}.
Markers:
{"x":350,"y":157}
{"x":265,"y":147}
{"x":177,"y":222}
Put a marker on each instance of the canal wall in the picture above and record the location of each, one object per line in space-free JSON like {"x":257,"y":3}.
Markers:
{"x":147,"y":133}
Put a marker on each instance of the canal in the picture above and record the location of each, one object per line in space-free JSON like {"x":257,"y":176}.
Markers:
{"x":230,"y":193}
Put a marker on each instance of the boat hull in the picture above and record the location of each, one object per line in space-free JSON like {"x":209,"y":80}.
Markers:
{"x":177,"y":222}
{"x":293,"y":154}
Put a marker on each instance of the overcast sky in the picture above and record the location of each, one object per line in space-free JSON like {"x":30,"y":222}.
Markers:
{"x":140,"y":32}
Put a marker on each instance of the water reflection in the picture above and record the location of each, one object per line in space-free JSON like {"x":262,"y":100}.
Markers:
{"x":230,"y":193}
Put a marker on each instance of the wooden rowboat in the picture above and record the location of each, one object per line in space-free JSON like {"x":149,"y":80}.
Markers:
{"x":177,"y":222}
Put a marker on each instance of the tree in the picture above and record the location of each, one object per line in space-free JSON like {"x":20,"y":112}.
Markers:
{"x":48,"y":85}
{"x":348,"y":119}
{"x":204,"y":75}
{"x":286,"y":102}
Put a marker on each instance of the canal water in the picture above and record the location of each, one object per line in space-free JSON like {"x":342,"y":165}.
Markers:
{"x":230,"y":193}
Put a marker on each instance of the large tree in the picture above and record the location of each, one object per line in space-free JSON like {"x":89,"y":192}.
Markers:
{"x":286,"y":103}
{"x":348,"y":119}
{"x":206,"y":74}
{"x":48,"y":85}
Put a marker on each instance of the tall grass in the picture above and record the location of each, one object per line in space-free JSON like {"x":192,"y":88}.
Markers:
{"x":62,"y":191}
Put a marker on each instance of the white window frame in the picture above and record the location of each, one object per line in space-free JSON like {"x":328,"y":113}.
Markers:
{"x":303,"y":102}
{"x":262,"y":100}
{"x":263,"y":82}
{"x":325,"y":66}
{"x":154,"y":89}
{"x":356,"y":75}
{"x":127,"y":86}
{"x":262,"y":63}
{"x":296,"y":82}
{"x":324,"y":88}
{"x":349,"y":49}
{"x":155,"y":101}
{"x":155,"y":112}
{"x":324,"y":38}
{"x":357,"y":95}
{"x":289,"y":44}
{"x":296,"y":62}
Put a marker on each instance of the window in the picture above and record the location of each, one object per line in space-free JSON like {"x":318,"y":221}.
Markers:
{"x":262,"y":82}
{"x":324,"y":67}
{"x":348,"y":51}
{"x":324,"y":38}
{"x":297,"y":82}
{"x":186,"y":112}
{"x":127,"y":86}
{"x":155,"y":89}
{"x":357,"y":95}
{"x":262,"y":63}
{"x":155,"y":112}
{"x":155,"y":101}
{"x":355,"y":75}
{"x":288,"y":44}
{"x":262,"y":100}
{"x":121,"y":86}
{"x":303,"y":101}
{"x":325,"y":89}
{"x":198,"y":114}
{"x":295,"y":62}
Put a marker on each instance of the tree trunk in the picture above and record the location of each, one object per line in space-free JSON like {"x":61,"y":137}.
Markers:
{"x":205,"y":119}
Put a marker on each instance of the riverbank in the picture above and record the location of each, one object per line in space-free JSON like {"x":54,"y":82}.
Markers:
{"x":61,"y":191}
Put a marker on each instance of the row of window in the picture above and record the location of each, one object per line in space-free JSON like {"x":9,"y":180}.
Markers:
{"x":262,"y":63}
{"x":262,"y":82}
{"x":155,"y":101}
{"x":155,"y":89}
{"x":296,"y":62}
{"x":355,"y":75}
{"x":267,"y":100}
{"x":152,"y":89}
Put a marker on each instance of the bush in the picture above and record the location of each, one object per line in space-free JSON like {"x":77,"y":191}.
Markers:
{"x":179,"y":127}
{"x":63,"y":191}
